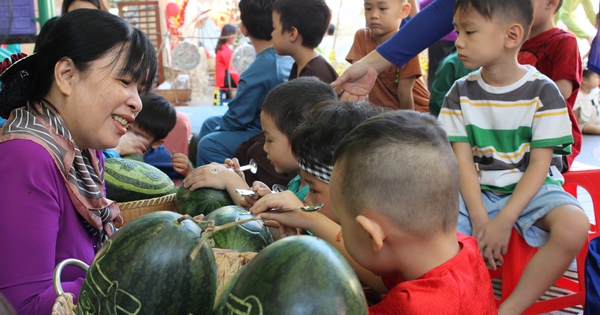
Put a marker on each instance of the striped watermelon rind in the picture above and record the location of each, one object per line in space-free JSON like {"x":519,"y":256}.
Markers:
{"x":200,"y":201}
{"x":129,"y":180}
{"x":145,"y":268}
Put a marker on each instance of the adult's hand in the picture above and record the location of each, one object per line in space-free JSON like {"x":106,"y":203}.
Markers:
{"x":357,"y":81}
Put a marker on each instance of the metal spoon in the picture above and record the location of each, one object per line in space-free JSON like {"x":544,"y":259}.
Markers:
{"x":306,"y":208}
{"x":251,"y":166}
{"x":278,"y":188}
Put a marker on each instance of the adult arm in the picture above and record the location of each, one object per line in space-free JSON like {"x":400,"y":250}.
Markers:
{"x":29,"y":227}
{"x":428,"y":26}
{"x":564,"y":14}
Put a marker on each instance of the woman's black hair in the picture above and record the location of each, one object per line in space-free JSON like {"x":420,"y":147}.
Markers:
{"x":84,"y":36}
{"x":226,"y":33}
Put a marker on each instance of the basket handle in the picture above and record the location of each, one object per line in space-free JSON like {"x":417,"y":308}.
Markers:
{"x":58,"y":270}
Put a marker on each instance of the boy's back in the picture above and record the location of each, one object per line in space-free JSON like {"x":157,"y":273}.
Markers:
{"x":384,"y":92}
{"x":555,"y":54}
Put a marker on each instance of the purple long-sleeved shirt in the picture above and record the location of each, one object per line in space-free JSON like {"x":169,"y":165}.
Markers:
{"x":39,"y":228}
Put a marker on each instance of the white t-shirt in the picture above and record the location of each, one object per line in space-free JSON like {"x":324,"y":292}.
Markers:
{"x":588,"y":105}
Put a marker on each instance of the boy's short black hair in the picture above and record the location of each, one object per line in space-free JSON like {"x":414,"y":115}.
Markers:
{"x":400,"y":164}
{"x":587,"y":73}
{"x":257,"y":17}
{"x":315,"y":139}
{"x":157,"y":116}
{"x":288,"y":102}
{"x":310,"y":17}
{"x":520,"y":11}
{"x":560,"y":2}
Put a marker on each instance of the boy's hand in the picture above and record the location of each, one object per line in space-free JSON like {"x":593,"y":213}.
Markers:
{"x":181,"y":163}
{"x":234,"y":164}
{"x":493,"y":240}
{"x":261,"y":189}
{"x":211,"y":175}
{"x":283,"y":200}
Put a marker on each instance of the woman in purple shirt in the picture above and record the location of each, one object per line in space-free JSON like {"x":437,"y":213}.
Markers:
{"x":75,"y":96}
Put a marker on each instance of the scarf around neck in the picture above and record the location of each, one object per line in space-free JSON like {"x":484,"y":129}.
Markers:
{"x":81,"y":170}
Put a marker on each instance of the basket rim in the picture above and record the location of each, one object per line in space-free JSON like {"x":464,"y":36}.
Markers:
{"x":147,"y":202}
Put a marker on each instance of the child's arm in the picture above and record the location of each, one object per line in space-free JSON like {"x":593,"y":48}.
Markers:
{"x":565,"y":87}
{"x":405,"y":92}
{"x":495,"y":236}
{"x":319,"y":225}
{"x":216,"y":176}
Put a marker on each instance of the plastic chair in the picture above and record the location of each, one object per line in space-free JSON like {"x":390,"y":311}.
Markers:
{"x":178,"y":139}
{"x":520,"y":253}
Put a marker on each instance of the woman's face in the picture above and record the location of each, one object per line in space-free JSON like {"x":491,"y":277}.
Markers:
{"x":101,"y":104}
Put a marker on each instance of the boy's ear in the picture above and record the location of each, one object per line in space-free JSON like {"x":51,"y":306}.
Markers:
{"x":405,"y":10}
{"x":64,"y":71}
{"x":294,"y":35}
{"x":514,"y":35}
{"x":158,"y":143}
{"x":374,"y":229}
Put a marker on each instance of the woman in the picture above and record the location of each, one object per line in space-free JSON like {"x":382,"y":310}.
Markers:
{"x":75,"y":96}
{"x":225,"y":76}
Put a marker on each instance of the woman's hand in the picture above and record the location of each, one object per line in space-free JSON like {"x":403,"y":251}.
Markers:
{"x":212,"y":175}
{"x":356,"y":82}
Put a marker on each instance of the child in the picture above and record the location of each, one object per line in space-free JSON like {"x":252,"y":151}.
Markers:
{"x":450,"y":70}
{"x":220,"y":136}
{"x":147,"y":134}
{"x":555,"y":53}
{"x":282,"y":111}
{"x":586,"y":105}
{"x":298,"y":28}
{"x":504,"y":121}
{"x":396,"y":88}
{"x":393,"y":190}
{"x":565,"y":14}
{"x":225,"y":76}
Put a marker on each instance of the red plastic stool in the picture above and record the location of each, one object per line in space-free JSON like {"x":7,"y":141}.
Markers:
{"x":519,"y":252}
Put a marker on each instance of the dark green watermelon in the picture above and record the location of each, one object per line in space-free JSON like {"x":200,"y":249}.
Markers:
{"x":247,"y":237}
{"x":145,"y":268}
{"x":201,"y":200}
{"x":295,"y":275}
{"x":137,"y":157}
{"x":129,"y":180}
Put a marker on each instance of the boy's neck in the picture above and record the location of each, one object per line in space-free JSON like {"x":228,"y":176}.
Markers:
{"x":541,"y":27}
{"x":302,"y":56}
{"x":504,"y":72}
{"x":416,"y":256}
{"x":383,"y":38}
{"x":260,"y":44}
{"x":584,"y":89}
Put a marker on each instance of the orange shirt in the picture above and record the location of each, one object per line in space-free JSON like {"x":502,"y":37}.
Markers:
{"x":385,"y":90}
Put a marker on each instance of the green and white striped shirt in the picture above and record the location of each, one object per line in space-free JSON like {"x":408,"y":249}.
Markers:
{"x":503,"y":124}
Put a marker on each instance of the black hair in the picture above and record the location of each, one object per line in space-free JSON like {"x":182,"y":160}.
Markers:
{"x":315,"y":139}
{"x":157,"y":117}
{"x":560,"y":2}
{"x":520,"y":11}
{"x":587,"y":73}
{"x":84,"y":36}
{"x":401,"y":164}
{"x":227,"y":31}
{"x":257,"y":17}
{"x":310,"y":17}
{"x":97,"y":3}
{"x":288,"y":102}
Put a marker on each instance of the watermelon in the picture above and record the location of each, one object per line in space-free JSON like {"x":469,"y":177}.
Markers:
{"x":137,"y":157}
{"x":201,"y":200}
{"x":145,"y":268}
{"x":247,"y":237}
{"x":129,"y":180}
{"x":295,"y":275}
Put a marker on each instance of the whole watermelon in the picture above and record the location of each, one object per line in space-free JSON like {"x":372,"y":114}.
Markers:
{"x":247,"y":237}
{"x":129,"y":180}
{"x":145,"y":268}
{"x":201,"y":200}
{"x":295,"y":275}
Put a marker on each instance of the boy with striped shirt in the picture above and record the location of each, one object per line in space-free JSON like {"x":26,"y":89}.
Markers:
{"x":504,"y":121}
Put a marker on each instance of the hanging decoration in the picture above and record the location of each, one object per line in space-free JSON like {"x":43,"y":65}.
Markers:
{"x":175,"y":13}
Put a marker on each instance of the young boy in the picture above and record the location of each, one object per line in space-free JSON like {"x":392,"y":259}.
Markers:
{"x":146,"y":136}
{"x":504,"y":121}
{"x":393,"y":190}
{"x":282,"y":111}
{"x":396,"y":88}
{"x":450,"y":70}
{"x":220,"y":136}
{"x":586,"y":105}
{"x":298,"y":28}
{"x":554,"y":53}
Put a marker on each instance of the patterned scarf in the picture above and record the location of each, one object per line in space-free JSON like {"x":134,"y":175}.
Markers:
{"x":81,"y":170}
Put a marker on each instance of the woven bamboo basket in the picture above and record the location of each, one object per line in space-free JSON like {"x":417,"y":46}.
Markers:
{"x":133,"y":209}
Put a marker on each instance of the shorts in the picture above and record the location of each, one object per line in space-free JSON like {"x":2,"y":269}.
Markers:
{"x":547,"y":198}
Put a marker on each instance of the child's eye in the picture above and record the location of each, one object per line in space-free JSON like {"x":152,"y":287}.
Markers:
{"x":383,"y":9}
{"x":469,"y":32}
